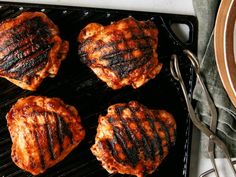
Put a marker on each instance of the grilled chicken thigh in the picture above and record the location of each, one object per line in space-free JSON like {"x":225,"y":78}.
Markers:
{"x":123,"y":53}
{"x":132,"y":139}
{"x":30,"y":49}
{"x":43,"y":131}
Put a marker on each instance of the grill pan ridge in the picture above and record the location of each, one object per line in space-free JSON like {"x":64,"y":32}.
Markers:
{"x":77,"y":85}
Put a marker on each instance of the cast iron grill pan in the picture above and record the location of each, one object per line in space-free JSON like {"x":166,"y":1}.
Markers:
{"x":77,"y":85}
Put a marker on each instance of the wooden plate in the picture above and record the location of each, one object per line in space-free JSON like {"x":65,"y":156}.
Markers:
{"x":224,"y":37}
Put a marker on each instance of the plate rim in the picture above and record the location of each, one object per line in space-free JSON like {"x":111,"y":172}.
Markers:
{"x":223,"y":45}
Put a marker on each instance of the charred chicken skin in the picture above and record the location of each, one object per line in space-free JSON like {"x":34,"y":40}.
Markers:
{"x":123,"y":53}
{"x":43,"y":131}
{"x":30,"y":49}
{"x":132,"y":139}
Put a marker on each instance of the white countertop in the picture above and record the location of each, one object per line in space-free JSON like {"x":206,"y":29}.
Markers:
{"x":198,"y":162}
{"x":167,"y":6}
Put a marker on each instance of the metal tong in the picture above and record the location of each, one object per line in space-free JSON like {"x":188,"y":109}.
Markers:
{"x":209,"y":132}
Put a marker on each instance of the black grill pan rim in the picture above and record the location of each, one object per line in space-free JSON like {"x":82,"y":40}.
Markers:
{"x":167,"y":20}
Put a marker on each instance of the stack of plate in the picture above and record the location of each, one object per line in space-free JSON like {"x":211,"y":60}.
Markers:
{"x":225,"y":46}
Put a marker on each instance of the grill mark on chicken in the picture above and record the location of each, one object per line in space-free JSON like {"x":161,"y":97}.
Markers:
{"x":22,"y":52}
{"x":166,"y":132}
{"x":29,"y":33}
{"x":131,"y":136}
{"x":146,"y":148}
{"x":116,"y":59}
{"x":32,"y":23}
{"x":49,"y":136}
{"x":141,"y":28}
{"x":111,"y":146}
{"x":31,"y":57}
{"x":135,"y":139}
{"x":139,"y":144}
{"x":9,"y":67}
{"x":131,"y":158}
{"x":130,"y":154}
{"x":31,"y":135}
{"x":120,"y":54}
{"x":59,"y":135}
{"x":33,"y":50}
{"x":121,"y":141}
{"x":62,"y":131}
{"x":133,"y":152}
{"x":13,"y":52}
{"x":64,"y":127}
{"x":30,"y":73}
{"x":32,"y":65}
{"x":118,"y":139}
{"x":123,"y":66}
{"x":36,"y":136}
{"x":100,"y":44}
{"x":22,"y":40}
{"x":156,"y":141}
{"x":81,"y":47}
{"x":49,"y":128}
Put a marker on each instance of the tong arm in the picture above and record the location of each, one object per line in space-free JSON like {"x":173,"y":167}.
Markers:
{"x":175,"y":71}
